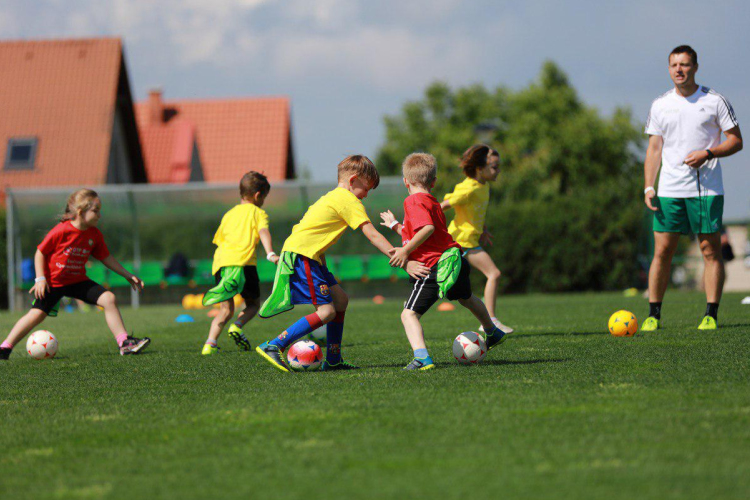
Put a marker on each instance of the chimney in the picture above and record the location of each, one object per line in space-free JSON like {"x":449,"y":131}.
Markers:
{"x":155,"y":106}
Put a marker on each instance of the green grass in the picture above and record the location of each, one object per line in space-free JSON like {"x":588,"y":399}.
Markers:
{"x":561,"y":410}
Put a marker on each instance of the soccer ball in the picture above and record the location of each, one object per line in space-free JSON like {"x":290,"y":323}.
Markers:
{"x":318,"y":336}
{"x":469,"y":348}
{"x":623,"y":324}
{"x":41,"y":345}
{"x":304,"y":356}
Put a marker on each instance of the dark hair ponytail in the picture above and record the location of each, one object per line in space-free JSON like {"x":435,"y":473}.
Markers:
{"x":476,"y":157}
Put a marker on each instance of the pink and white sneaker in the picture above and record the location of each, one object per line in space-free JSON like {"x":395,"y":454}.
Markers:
{"x":133,"y":345}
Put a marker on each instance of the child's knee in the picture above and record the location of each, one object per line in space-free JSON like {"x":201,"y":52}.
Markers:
{"x":408,"y":315}
{"x":494,"y":274}
{"x":341,"y":302}
{"x":107,"y":299}
{"x":326,"y":313}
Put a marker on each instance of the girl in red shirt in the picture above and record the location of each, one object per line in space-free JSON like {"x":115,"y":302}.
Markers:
{"x":60,"y":263}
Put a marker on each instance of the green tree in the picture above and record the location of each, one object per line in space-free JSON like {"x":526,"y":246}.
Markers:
{"x":566,"y":210}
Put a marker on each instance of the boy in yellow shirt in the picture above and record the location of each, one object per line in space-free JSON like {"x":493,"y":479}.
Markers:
{"x":470,"y":199}
{"x":302,"y":276}
{"x":234,"y":264}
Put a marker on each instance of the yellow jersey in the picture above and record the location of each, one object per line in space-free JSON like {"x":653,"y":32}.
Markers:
{"x":324,"y":223}
{"x":238,"y":236}
{"x":470,"y":199}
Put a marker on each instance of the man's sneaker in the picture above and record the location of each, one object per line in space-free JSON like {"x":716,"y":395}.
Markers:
{"x":651,"y":324}
{"x":495,"y":338}
{"x":708,"y":323}
{"x":341,"y":365}
{"x":133,"y":345}
{"x":502,"y":327}
{"x":420,"y":364}
{"x":5,"y":352}
{"x":273,"y":355}
{"x":239,"y":338}
{"x":208,"y":350}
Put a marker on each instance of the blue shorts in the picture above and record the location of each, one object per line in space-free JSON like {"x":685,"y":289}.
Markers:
{"x":311,"y":282}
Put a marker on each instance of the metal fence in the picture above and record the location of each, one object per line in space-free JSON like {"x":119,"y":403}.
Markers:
{"x":148,"y":223}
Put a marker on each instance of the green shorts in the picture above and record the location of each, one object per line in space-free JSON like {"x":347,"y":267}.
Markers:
{"x":699,"y":215}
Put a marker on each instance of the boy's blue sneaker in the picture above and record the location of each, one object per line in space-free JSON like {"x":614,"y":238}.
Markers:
{"x":495,"y":338}
{"x":420,"y":364}
{"x":273,"y":355}
{"x":341,"y":365}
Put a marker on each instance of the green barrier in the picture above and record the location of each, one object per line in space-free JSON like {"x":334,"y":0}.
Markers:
{"x":350,"y":268}
{"x":151,"y":273}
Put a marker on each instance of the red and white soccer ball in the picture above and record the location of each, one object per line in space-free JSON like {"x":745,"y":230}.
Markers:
{"x":469,"y":348}
{"x":304,"y":356}
{"x":41,"y":345}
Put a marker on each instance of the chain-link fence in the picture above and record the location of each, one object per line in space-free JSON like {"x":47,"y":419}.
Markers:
{"x":145,"y":226}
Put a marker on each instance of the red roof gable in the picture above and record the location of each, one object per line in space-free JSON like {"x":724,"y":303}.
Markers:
{"x":234,"y":136}
{"x":64,"y":93}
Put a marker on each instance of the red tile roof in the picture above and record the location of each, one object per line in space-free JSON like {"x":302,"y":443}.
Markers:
{"x":167,"y":151}
{"x":63,"y":92}
{"x":234,"y":135}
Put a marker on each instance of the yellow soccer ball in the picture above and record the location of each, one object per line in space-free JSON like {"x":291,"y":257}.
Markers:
{"x":623,"y":324}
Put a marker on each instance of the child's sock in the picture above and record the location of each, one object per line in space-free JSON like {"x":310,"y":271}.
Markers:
{"x":302,"y":327}
{"x":712,"y":309}
{"x":212,"y":343}
{"x":334,"y":334}
{"x":421,"y":353}
{"x":121,"y":338}
{"x":6,"y":345}
{"x":654,"y":309}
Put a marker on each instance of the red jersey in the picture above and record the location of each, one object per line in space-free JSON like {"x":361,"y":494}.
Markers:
{"x":66,"y":251}
{"x":420,"y":210}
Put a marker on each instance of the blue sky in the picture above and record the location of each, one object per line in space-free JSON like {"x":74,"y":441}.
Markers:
{"x":345,"y":64}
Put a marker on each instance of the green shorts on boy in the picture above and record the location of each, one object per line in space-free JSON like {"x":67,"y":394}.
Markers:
{"x":426,"y":239}
{"x":302,"y":276}
{"x":234,"y":266}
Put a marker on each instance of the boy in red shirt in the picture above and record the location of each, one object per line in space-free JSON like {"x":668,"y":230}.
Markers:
{"x":426,"y":240}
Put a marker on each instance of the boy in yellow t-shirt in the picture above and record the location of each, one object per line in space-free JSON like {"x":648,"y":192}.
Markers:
{"x":470,"y":199}
{"x":234,"y":266}
{"x":302,"y":276}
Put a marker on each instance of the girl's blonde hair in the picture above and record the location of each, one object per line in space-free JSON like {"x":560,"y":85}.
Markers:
{"x":80,"y":201}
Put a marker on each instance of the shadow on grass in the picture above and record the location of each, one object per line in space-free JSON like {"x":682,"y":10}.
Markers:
{"x":554,"y":334}
{"x":486,"y":362}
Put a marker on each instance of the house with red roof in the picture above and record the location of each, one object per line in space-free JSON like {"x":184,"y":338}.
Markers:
{"x":67,"y":115}
{"x":230,"y":137}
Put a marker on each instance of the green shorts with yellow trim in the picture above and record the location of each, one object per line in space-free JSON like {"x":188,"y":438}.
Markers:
{"x":699,"y":215}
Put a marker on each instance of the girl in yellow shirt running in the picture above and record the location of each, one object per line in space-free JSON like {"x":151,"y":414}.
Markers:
{"x":469,"y":199}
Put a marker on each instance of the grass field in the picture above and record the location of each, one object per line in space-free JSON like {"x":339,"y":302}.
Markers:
{"x":561,"y":410}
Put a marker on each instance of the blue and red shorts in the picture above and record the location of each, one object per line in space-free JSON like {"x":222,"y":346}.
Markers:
{"x":311,"y":282}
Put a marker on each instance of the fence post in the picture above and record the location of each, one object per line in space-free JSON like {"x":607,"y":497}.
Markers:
{"x":9,"y":235}
{"x":135,"y":299}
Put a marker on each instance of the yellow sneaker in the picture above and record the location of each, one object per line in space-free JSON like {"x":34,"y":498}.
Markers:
{"x":708,"y":323}
{"x":208,"y":350}
{"x":650,"y":325}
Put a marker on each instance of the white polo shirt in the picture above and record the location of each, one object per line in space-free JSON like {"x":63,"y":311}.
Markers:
{"x":688,"y":124}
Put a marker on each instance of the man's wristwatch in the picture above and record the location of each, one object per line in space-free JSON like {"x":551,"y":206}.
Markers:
{"x":711,"y":154}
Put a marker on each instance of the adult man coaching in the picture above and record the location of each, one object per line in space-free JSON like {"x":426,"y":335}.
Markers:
{"x":684,"y":128}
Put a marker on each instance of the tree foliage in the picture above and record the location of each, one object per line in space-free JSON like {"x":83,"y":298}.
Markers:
{"x":562,"y":163}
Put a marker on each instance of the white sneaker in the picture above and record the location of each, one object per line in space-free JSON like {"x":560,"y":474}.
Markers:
{"x":505,"y":329}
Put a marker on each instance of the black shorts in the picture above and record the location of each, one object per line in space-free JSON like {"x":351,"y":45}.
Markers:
{"x":426,"y":290}
{"x":87,"y":291}
{"x":251,"y":290}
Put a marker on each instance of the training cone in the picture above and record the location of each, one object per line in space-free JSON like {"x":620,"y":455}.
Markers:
{"x":446,"y":306}
{"x":378,"y":299}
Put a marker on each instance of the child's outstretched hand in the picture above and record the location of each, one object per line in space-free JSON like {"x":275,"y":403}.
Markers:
{"x":417,"y":270}
{"x":40,"y":289}
{"x":136,"y":283}
{"x":388,"y":218}
{"x":398,"y":257}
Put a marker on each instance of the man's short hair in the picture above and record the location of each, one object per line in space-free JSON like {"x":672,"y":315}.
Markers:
{"x":420,"y":169}
{"x":361,"y":166}
{"x":253,"y":182}
{"x":685,"y":49}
